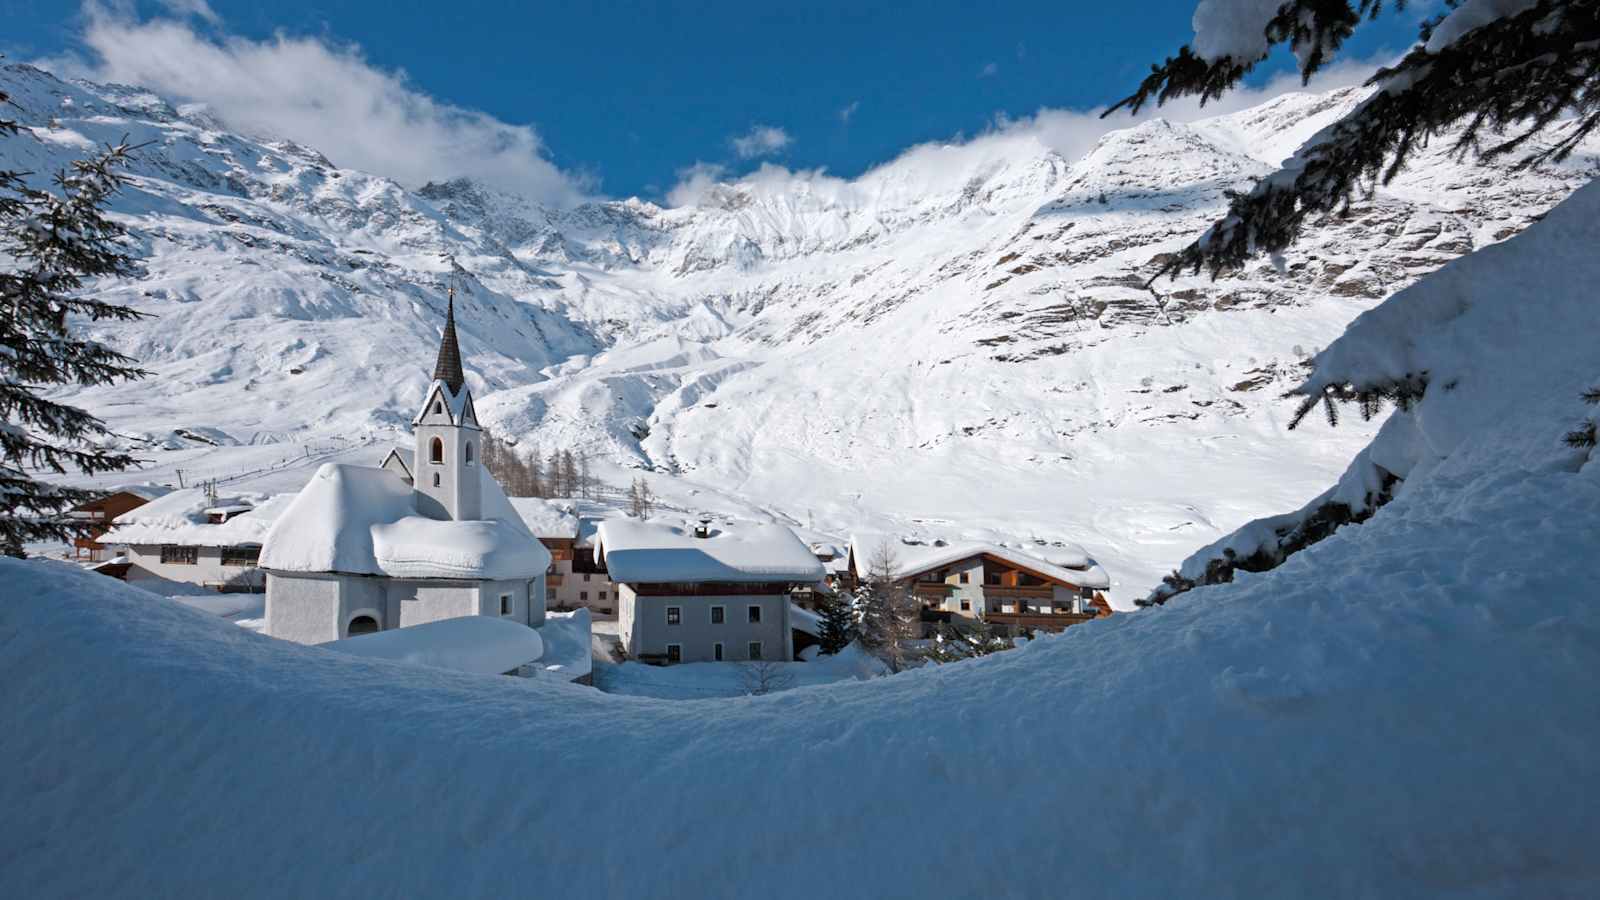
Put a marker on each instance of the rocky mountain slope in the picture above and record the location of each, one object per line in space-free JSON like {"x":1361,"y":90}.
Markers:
{"x":958,"y":342}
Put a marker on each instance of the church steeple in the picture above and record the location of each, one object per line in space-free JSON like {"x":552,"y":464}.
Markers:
{"x":448,"y":368}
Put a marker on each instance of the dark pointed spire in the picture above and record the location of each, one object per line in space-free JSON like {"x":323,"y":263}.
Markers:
{"x":448,"y":368}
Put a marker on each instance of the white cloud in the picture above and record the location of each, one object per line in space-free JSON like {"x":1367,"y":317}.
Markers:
{"x":198,"y":8}
{"x":849,"y":112}
{"x":945,"y":165}
{"x":319,"y":94}
{"x":989,"y":70}
{"x":761,"y":140}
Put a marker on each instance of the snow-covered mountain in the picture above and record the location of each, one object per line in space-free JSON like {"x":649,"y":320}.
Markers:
{"x":958,"y":342}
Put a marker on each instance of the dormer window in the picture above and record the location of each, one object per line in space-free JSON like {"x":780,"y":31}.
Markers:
{"x":469,"y":453}
{"x":436,"y":452}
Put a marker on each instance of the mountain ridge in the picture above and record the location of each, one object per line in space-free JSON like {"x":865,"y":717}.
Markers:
{"x":957,"y":341}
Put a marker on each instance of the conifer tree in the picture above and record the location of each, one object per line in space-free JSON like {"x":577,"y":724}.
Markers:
{"x":840,"y":619}
{"x":1523,"y":71}
{"x":889,"y":614}
{"x":52,"y":243}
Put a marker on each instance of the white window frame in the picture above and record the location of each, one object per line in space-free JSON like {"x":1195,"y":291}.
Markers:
{"x":507,"y":605}
{"x":760,"y":651}
{"x":716,"y":652}
{"x":753,"y":614}
{"x":670,"y":616}
{"x":670,"y":660}
{"x":712,"y":616}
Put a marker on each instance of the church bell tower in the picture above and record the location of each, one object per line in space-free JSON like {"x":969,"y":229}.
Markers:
{"x":449,"y":443}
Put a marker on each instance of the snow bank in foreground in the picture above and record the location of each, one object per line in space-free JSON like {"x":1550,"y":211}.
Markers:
{"x":1405,"y":709}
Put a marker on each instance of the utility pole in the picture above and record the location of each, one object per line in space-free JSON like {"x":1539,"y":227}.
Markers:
{"x":180,"y":477}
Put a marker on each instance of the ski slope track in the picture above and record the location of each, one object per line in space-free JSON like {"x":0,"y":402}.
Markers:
{"x":956,"y":344}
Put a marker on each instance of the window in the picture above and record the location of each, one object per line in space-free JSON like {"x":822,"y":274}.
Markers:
{"x":755,"y":615}
{"x":716,"y":651}
{"x":991,"y":578}
{"x":966,"y":577}
{"x":755,"y":650}
{"x":361,"y":625}
{"x":674,"y":653}
{"x":180,"y":556}
{"x":436,"y":451}
{"x":966,"y":606}
{"x":602,"y":596}
{"x":505,"y":604}
{"x":719,"y":614}
{"x":1086,"y":593}
{"x":586,"y":576}
{"x":468,"y":455}
{"x":583,"y":596}
{"x":240,"y":556}
{"x":674,"y":615}
{"x":438,"y":408}
{"x":436,"y":479}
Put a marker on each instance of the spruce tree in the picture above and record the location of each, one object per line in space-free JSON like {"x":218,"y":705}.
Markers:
{"x":839,"y":624}
{"x":1498,"y":85}
{"x":52,"y":243}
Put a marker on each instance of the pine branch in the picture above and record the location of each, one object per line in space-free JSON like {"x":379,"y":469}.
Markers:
{"x":1518,"y":74}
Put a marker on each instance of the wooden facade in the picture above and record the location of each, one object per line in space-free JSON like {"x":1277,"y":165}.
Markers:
{"x":1013,"y":594}
{"x":99,"y":515}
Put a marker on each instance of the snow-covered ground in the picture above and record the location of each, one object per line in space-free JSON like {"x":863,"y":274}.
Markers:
{"x":701,"y":681}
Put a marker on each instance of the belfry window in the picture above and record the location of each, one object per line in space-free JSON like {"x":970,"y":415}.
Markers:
{"x":438,"y":408}
{"x":436,"y":451}
{"x":468,"y":455}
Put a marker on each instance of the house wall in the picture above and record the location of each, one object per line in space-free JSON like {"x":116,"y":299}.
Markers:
{"x":145,"y":564}
{"x":642,"y":625}
{"x":593,"y":590}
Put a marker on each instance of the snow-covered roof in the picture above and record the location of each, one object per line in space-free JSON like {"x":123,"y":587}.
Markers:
{"x":180,"y":518}
{"x":364,"y":521}
{"x":546,"y":519}
{"x":147,"y":491}
{"x":484,"y":645}
{"x":636,"y":551}
{"x":455,"y":403}
{"x":805,"y":620}
{"x":1066,"y":563}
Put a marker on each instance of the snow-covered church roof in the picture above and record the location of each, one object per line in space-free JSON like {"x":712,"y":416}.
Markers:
{"x":641,"y":552}
{"x":361,"y":520}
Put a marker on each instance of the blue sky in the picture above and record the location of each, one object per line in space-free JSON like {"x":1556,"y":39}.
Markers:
{"x":624,"y":97}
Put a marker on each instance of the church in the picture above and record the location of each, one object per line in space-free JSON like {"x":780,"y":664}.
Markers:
{"x":426,"y":535}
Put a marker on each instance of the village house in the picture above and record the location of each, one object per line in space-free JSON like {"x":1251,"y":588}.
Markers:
{"x":197,"y":537}
{"x":707,"y":592}
{"x":972,"y":581}
{"x":425,"y":536}
{"x":575,"y":579}
{"x":100,"y":512}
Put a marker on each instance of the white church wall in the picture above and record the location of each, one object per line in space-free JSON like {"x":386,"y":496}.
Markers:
{"x":417,"y":602}
{"x":303,"y":607}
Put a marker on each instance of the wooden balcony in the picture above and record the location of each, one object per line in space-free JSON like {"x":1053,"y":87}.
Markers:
{"x":552,"y":581}
{"x":1041,"y":621}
